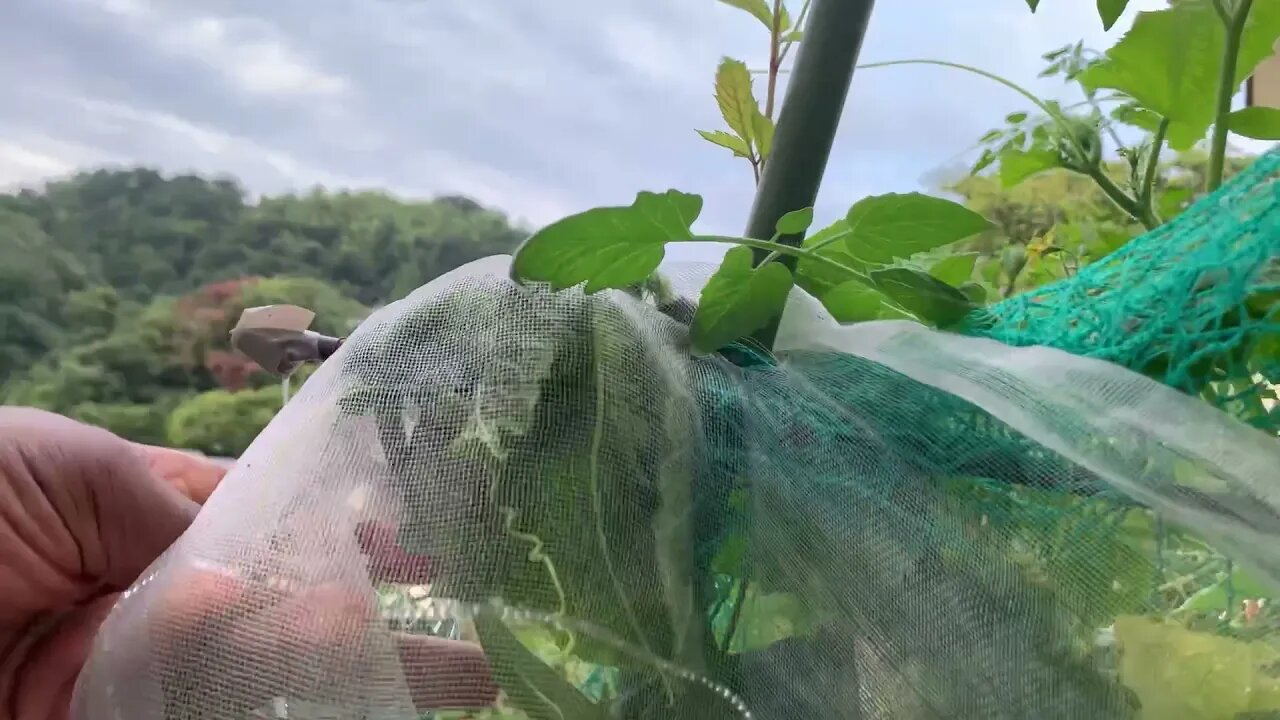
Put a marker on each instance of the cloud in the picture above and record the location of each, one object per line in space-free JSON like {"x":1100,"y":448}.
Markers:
{"x":538,"y":109}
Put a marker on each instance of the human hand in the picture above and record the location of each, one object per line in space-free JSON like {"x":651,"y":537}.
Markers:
{"x":83,"y":513}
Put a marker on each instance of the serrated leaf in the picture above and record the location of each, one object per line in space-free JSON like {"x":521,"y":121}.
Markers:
{"x":759,"y":9}
{"x":885,"y":227}
{"x":922,"y":295}
{"x":738,"y":300}
{"x":608,"y":247}
{"x":1259,"y":123}
{"x":734,"y":96}
{"x":541,"y":692}
{"x":817,"y":278}
{"x":852,"y":302}
{"x":1110,"y":10}
{"x":1016,"y":165}
{"x":795,"y":222}
{"x":1169,"y":60}
{"x":762,"y":132}
{"x":727,"y":140}
{"x":955,"y":269}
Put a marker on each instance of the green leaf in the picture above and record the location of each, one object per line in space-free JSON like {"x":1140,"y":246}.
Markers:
{"x":737,"y":104}
{"x":1016,"y":165}
{"x":1033,"y":4}
{"x":759,"y":9}
{"x":955,"y":269}
{"x":1169,"y":60}
{"x":885,"y":227}
{"x":784,"y":19}
{"x":1015,"y":118}
{"x":852,"y":302}
{"x":762,"y":131}
{"x":738,"y":300}
{"x":1259,"y":123}
{"x":727,"y":140}
{"x":818,"y":279}
{"x":533,"y":686}
{"x":793,"y":36}
{"x":1110,"y":11}
{"x":608,"y":247}
{"x":795,"y":222}
{"x":1137,"y":116}
{"x":922,"y":295}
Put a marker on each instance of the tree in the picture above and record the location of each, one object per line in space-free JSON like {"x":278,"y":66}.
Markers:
{"x":220,"y":422}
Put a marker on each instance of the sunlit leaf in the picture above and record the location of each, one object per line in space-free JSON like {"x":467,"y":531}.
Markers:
{"x":955,"y":269}
{"x":1259,"y":123}
{"x":1169,"y":60}
{"x":738,"y":300}
{"x":608,"y":247}
{"x":885,"y":227}
{"x":727,"y":140}
{"x":1179,"y":673}
{"x":853,"y":301}
{"x":1017,"y":165}
{"x":733,"y":94}
{"x":795,"y":222}
{"x":762,"y":132}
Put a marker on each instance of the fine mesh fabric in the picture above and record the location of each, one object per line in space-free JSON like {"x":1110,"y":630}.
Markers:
{"x":500,"y":502}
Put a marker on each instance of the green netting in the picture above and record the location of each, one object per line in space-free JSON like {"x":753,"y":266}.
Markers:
{"x":876,"y":521}
{"x":1191,"y":304}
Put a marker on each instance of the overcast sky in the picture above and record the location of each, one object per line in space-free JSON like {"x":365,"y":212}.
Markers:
{"x":537,"y":108}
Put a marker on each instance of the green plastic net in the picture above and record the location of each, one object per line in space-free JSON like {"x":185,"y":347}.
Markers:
{"x":872,"y":521}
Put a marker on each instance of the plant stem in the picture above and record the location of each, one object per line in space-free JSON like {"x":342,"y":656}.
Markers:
{"x":786,"y":47}
{"x":776,"y":248}
{"x":807,"y":121}
{"x":1122,"y":199}
{"x":738,"y":601}
{"x":774,"y":58}
{"x":1226,"y":90}
{"x":1146,"y":192}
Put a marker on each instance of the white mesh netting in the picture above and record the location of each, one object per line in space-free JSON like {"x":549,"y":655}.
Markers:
{"x":496,"y":501}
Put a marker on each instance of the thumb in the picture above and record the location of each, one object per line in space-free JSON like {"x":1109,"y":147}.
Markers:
{"x":89,"y":495}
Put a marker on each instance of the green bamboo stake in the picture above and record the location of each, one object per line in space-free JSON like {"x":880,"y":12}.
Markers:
{"x":807,"y":122}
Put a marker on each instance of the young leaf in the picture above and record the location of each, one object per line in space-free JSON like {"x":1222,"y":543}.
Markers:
{"x":885,"y":227}
{"x":1259,"y":123}
{"x":1110,"y":11}
{"x":726,"y":140}
{"x":733,"y":94}
{"x":793,"y":36}
{"x":818,"y":279}
{"x":738,"y":300}
{"x":795,"y":222}
{"x":542,"y":693}
{"x":955,"y":269}
{"x":1015,"y":118}
{"x":1169,"y":61}
{"x":1033,"y":4}
{"x":922,"y":295}
{"x":759,"y":9}
{"x":608,"y":247}
{"x":1016,"y":165}
{"x":852,"y":302}
{"x":762,"y":132}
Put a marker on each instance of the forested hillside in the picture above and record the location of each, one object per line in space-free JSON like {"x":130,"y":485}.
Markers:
{"x":118,"y":290}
